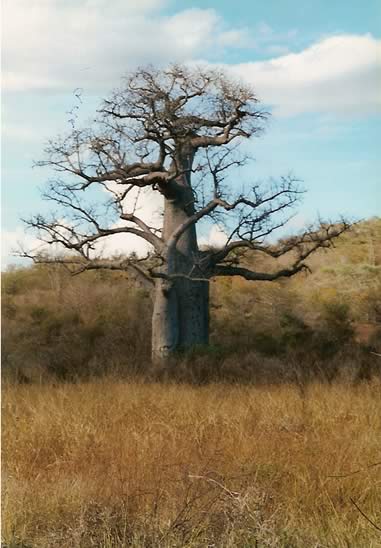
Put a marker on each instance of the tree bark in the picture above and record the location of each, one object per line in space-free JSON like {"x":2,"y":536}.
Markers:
{"x":181,"y":304}
{"x":165,"y":321}
{"x":180,"y":317}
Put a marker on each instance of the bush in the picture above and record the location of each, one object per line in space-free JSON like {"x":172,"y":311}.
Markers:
{"x":88,"y":326}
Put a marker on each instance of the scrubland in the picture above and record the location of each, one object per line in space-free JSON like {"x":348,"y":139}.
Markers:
{"x":109,"y":463}
{"x":270,"y":437}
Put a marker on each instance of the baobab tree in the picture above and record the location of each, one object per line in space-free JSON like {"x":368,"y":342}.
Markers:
{"x":177,"y":133}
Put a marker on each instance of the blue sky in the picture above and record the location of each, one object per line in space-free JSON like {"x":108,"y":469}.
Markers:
{"x":316,"y":65}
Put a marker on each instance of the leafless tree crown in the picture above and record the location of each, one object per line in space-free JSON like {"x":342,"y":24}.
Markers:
{"x":176,"y":132}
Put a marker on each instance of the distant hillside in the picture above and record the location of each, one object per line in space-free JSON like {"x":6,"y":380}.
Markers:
{"x":348,"y":275}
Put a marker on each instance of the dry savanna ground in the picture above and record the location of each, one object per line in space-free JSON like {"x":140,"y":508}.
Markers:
{"x":111,"y":464}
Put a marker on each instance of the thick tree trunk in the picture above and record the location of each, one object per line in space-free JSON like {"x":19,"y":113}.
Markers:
{"x":165,"y":321}
{"x":180,"y":317}
{"x":181,"y":304}
{"x":193,"y":303}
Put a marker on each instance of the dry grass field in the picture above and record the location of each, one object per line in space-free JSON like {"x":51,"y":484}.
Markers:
{"x":111,"y":464}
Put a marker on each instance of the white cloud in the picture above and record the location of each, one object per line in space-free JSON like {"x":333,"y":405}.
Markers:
{"x":56,"y":45}
{"x":296,"y":223}
{"x":18,"y":133}
{"x":12,"y":241}
{"x":216,"y":237}
{"x":338,"y":74}
{"x":119,"y":244}
{"x":147,"y":204}
{"x":122,"y":244}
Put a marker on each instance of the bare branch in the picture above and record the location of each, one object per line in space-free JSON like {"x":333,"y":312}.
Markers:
{"x":78,"y":266}
{"x":55,"y":232}
{"x":225,"y":270}
{"x":303,"y":246}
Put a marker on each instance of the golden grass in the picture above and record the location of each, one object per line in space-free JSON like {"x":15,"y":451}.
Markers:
{"x":112,"y":464}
